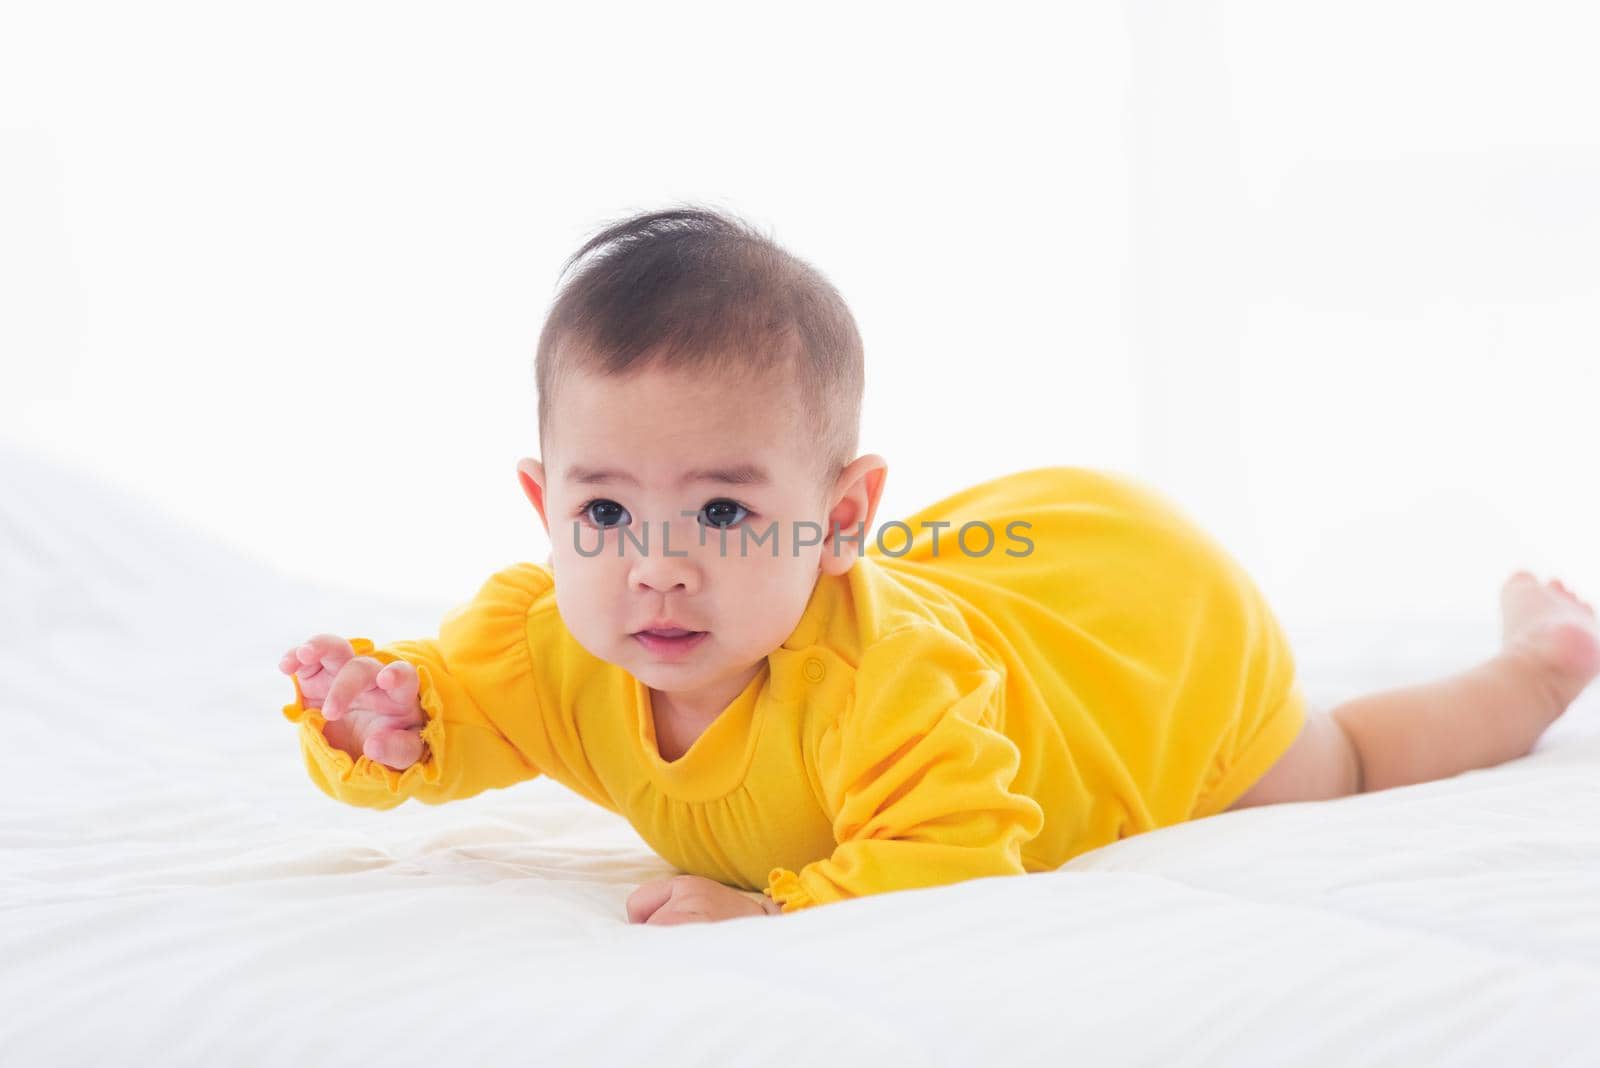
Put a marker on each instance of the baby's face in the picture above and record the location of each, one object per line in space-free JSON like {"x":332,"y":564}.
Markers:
{"x":663,"y":453}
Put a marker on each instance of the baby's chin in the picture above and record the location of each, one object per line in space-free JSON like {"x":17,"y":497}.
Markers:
{"x":700,"y":668}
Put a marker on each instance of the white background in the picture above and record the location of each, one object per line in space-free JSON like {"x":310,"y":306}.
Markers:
{"x":1328,"y":275}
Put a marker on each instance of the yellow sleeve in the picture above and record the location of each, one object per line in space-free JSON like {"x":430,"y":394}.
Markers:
{"x":477,"y":688}
{"x":916,"y":776}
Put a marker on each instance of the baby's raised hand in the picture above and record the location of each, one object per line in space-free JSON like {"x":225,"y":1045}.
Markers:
{"x":371,"y":709}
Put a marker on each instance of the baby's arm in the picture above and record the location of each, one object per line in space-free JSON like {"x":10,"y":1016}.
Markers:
{"x":916,"y":777}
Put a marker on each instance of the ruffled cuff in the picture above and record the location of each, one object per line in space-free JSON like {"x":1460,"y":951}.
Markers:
{"x":787,"y":891}
{"x":360,"y":780}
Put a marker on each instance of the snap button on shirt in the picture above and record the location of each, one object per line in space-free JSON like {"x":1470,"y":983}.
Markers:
{"x":814,"y":669}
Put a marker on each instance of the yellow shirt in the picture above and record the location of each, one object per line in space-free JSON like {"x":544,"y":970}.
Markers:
{"x":937,"y":715}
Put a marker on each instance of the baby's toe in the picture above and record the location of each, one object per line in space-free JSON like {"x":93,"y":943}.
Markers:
{"x":1561,"y":587}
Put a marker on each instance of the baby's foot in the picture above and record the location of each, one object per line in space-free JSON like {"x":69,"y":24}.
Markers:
{"x":1548,"y":627}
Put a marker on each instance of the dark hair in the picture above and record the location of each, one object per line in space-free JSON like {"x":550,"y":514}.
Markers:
{"x":697,"y":289}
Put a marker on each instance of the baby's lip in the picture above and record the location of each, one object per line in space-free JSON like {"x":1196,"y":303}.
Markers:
{"x":666,"y":626}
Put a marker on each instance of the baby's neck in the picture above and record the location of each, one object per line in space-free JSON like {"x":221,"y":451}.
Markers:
{"x":698,"y":708}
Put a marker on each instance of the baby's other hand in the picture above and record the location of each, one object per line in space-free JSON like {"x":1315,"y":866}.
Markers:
{"x":371,"y":709}
{"x":690,"y":899}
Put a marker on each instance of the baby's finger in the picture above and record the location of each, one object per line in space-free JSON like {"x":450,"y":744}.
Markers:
{"x":294,"y":663}
{"x":309,"y":668}
{"x":321,"y":647}
{"x":290,"y":666}
{"x":329,"y":641}
{"x":354,"y":677}
{"x":398,"y":749}
{"x":647,"y":899}
{"x":326,"y":652}
{"x":399,"y":681}
{"x":670,"y":915}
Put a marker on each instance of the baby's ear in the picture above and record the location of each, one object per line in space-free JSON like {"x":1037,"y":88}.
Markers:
{"x":876,"y":474}
{"x":860,"y":489}
{"x":530,"y":473}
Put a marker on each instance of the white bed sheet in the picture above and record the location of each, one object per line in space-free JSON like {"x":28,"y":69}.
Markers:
{"x":174,"y":890}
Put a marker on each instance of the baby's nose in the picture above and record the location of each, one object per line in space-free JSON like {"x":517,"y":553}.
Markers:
{"x":667,"y":564}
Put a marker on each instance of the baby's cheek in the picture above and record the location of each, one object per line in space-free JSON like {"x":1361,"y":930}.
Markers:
{"x":771,"y":612}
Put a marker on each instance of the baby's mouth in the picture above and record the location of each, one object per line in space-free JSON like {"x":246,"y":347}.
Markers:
{"x":669,"y":642}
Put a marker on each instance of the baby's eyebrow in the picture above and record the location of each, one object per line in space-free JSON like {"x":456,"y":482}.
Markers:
{"x":744,"y":474}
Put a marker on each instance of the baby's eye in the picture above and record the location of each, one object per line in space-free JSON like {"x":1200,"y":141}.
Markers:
{"x":600,"y":511}
{"x":720,"y":513}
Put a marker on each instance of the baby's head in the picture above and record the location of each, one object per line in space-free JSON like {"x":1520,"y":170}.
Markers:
{"x":695,"y":376}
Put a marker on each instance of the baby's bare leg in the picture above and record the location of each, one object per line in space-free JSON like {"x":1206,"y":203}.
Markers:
{"x":1475,"y":719}
{"x":1486,"y":715}
{"x":1479,"y":718}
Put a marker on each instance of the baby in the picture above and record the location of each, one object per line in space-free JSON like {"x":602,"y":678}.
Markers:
{"x":794,"y":707}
